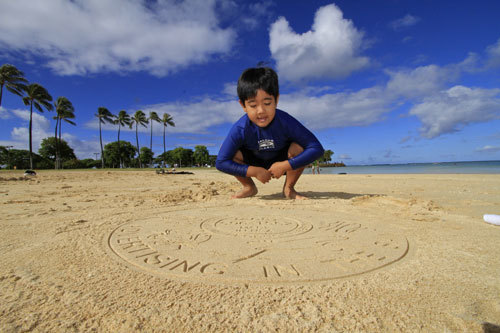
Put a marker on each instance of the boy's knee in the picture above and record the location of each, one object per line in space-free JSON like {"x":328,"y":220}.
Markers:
{"x":294,"y":150}
{"x":238,"y":157}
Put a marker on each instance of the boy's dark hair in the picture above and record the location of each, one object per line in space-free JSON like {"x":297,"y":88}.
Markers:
{"x":252,"y":79}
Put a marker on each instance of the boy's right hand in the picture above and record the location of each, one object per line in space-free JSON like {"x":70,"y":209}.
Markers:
{"x":261,"y":174}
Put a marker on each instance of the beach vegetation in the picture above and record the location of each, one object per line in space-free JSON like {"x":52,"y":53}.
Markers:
{"x":153,"y":116}
{"x":139,"y":118}
{"x":201,"y":155}
{"x":56,"y":150}
{"x":104,"y":116}
{"x":20,"y":159}
{"x":12,"y":79}
{"x":146,"y":156}
{"x":119,"y":153}
{"x":65,"y":111}
{"x":182,"y":156}
{"x":39,"y":97}
{"x":166,"y":120}
{"x":327,"y":156}
{"x":122,"y":119}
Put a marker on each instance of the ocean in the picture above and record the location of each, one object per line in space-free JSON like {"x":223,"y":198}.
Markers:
{"x":481,"y":167}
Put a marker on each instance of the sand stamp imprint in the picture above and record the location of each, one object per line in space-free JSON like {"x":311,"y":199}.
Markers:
{"x":257,"y":245}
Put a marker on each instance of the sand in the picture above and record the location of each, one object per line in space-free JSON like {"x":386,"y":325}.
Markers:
{"x":120,"y":251}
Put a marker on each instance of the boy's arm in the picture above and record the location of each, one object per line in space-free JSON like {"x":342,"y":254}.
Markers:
{"x":307,"y":140}
{"x":226,"y":154}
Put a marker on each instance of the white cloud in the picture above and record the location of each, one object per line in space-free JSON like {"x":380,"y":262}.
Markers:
{"x":450,"y":110}
{"x":82,"y":148}
{"x":404,"y":22}
{"x":89,"y":36}
{"x":419,"y":82}
{"x":40,"y":130}
{"x":343,"y":109}
{"x":329,"y":50}
{"x":199,"y":116}
{"x":4,"y":114}
{"x":345,"y":157}
{"x":488,"y":149}
{"x":493,"y":54}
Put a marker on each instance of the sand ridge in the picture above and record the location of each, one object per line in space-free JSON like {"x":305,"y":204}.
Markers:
{"x":58,"y":272}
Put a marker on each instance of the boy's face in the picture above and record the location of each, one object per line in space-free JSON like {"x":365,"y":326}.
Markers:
{"x":261,"y":108}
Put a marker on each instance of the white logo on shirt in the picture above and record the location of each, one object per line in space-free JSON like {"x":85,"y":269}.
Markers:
{"x":266,"y":144}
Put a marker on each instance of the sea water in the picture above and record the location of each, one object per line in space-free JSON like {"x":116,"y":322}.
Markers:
{"x":480,"y":167}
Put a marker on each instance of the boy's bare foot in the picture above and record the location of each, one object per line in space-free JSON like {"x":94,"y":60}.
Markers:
{"x":246,"y":191}
{"x":290,"y":193}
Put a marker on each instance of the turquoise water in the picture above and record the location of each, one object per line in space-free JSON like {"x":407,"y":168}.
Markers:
{"x":429,"y":168}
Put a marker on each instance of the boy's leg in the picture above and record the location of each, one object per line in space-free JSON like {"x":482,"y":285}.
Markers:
{"x":249,"y":189}
{"x":293,"y":175}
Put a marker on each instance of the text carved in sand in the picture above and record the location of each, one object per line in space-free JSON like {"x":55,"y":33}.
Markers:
{"x":258,"y":247}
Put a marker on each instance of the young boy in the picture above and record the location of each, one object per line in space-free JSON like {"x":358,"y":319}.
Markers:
{"x":266,"y":142}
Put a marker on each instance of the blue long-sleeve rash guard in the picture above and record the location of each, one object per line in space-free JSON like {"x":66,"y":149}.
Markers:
{"x":266,"y":142}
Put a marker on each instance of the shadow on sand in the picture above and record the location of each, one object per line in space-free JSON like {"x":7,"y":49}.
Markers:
{"x":320,"y":195}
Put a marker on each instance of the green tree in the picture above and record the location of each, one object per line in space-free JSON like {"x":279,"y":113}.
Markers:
{"x":39,"y":97}
{"x":166,"y":120}
{"x":146,"y":155}
{"x":153,"y":116}
{"x":13,"y":80}
{"x":119,"y":152}
{"x":51,"y":148}
{"x":212,"y":159}
{"x":182,"y":156}
{"x":20,"y":159}
{"x":65,"y":111}
{"x":327,"y":156}
{"x":104,"y":116}
{"x":139,"y":118}
{"x":201,"y":155}
{"x":90,"y":163}
{"x":165,"y":158}
{"x":122,"y":119}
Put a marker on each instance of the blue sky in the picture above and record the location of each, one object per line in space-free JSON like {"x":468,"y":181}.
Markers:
{"x":377,"y":81}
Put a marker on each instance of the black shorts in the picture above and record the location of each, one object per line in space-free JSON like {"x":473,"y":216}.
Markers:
{"x":250,"y":159}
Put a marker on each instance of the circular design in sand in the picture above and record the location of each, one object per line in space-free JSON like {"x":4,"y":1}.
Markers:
{"x":257,"y":244}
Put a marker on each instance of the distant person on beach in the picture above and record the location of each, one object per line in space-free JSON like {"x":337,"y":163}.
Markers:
{"x":266,"y":142}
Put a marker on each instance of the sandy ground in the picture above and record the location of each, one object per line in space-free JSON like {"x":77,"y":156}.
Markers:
{"x":119,"y":251}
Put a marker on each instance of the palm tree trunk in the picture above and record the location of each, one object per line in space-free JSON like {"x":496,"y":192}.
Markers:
{"x":1,"y":93}
{"x":138,"y":151}
{"x":119,"y":148}
{"x":30,"y":129}
{"x":151,"y":142}
{"x":102,"y":150}
{"x":59,"y":160}
{"x":57,"y":146}
{"x":164,"y":144}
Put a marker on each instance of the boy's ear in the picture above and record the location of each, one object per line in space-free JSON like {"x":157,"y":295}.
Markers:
{"x":277,"y":98}
{"x":242,"y":103}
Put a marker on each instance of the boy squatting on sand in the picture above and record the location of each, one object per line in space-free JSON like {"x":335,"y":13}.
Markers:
{"x":266,"y":142}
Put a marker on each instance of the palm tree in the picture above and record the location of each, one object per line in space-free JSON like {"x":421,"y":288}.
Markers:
{"x":13,"y":79}
{"x":139,"y":118}
{"x":104,"y":116}
{"x":65,"y":111}
{"x":153,"y":116}
{"x":166,"y":120}
{"x":122,"y":119}
{"x":38,"y":96}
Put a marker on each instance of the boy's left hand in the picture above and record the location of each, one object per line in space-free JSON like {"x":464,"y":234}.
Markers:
{"x":279,"y":168}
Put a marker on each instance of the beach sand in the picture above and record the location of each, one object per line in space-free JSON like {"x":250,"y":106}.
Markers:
{"x":120,"y":251}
